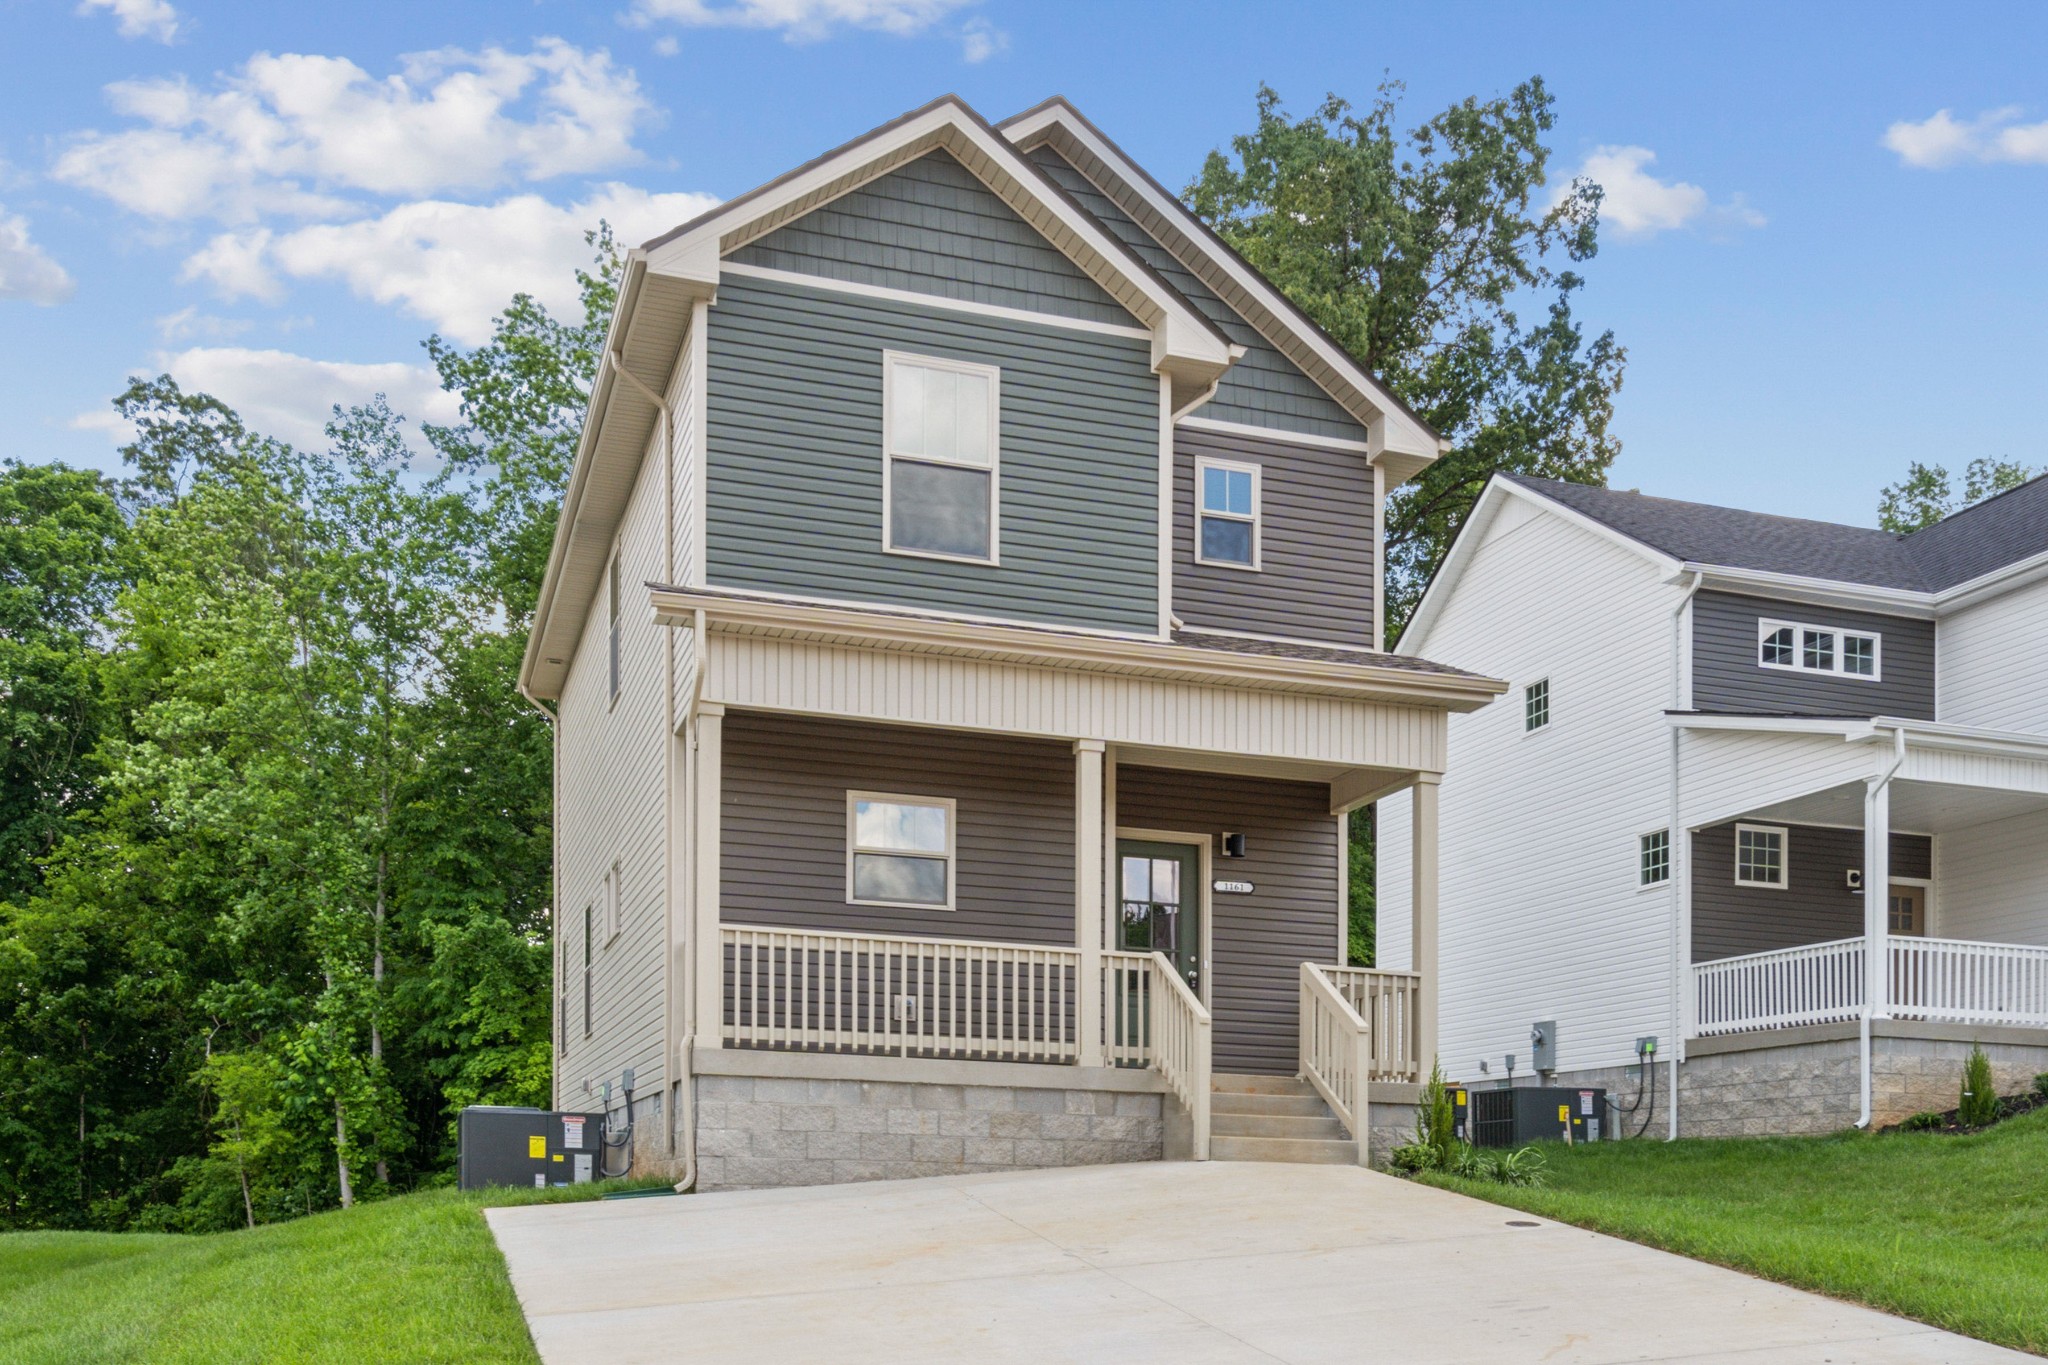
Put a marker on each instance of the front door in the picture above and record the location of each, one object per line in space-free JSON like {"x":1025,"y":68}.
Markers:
{"x":1160,"y":903}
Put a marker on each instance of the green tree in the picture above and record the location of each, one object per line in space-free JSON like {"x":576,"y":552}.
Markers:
{"x":1927,"y":494}
{"x":1419,"y":253}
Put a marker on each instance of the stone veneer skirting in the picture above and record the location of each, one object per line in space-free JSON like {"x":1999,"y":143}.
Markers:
{"x":782,"y":1118}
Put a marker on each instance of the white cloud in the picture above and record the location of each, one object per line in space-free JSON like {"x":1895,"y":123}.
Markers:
{"x":188,"y":324}
{"x":289,"y":133}
{"x":455,"y":265}
{"x":292,"y":396}
{"x":139,"y":18}
{"x":1941,"y":140}
{"x":981,"y":40}
{"x":1638,"y":205}
{"x":26,"y":270}
{"x":799,"y":20}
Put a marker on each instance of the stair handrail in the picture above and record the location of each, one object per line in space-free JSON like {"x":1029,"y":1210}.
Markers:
{"x":1336,"y":1054}
{"x":1181,"y":1039}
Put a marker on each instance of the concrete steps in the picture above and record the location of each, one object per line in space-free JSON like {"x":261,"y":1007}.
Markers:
{"x":1274,"y":1118}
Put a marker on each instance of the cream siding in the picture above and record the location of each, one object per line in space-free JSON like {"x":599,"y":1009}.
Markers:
{"x":1541,"y":913}
{"x":1990,"y":670}
{"x":1991,"y":881}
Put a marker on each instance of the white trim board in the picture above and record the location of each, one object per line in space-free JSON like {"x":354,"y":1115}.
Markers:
{"x":911,"y":296}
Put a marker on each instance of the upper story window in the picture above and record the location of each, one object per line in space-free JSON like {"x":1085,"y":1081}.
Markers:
{"x":1760,"y":856}
{"x":614,"y":917}
{"x":1536,"y":705}
{"x":939,"y":493}
{"x":1227,"y":513}
{"x":1803,"y":648}
{"x":899,"y":850}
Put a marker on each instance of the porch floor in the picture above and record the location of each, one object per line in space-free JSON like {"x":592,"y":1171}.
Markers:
{"x":1166,"y":1262}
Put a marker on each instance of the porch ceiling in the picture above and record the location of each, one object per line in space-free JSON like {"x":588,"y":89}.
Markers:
{"x":1916,"y":807}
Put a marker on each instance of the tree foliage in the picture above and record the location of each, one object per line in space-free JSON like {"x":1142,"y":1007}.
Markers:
{"x":1927,"y":493}
{"x":273,"y":899}
{"x":1421,"y":252}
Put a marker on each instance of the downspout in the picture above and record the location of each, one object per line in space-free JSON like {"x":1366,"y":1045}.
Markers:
{"x":558,"y":1026}
{"x":1680,"y":852}
{"x":1863,"y":1050}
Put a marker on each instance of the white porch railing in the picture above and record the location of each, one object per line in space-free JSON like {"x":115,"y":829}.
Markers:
{"x":1969,"y":983}
{"x":1390,"y":1004}
{"x":928,"y":997}
{"x":1819,"y":983}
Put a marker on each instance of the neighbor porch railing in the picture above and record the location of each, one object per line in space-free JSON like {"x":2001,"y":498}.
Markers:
{"x":1955,"y":981}
{"x":1938,"y":979}
{"x":1818,"y":983}
{"x":1390,"y":1003}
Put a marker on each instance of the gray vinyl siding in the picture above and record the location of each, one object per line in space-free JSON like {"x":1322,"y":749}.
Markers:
{"x":783,"y":853}
{"x":1265,"y":388}
{"x":1815,"y":907}
{"x":932,"y":228}
{"x":1727,"y":677}
{"x":794,"y":482}
{"x":1315,"y":575}
{"x":1258,"y":941}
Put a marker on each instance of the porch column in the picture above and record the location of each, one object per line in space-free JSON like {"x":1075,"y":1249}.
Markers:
{"x":1422,"y":912}
{"x":1088,"y":891}
{"x":706,"y":809}
{"x":1877,"y":876}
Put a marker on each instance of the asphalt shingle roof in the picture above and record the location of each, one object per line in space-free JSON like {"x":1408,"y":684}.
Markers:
{"x":1996,"y":532}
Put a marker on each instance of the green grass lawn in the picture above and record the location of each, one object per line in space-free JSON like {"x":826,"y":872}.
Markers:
{"x":1950,"y":1230}
{"x":413,"y":1278}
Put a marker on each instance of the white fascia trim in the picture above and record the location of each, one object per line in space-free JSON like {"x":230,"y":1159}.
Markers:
{"x":1182,"y":340}
{"x":989,"y":310}
{"x":1815,"y":591}
{"x":892,"y":609}
{"x":1397,"y":431}
{"x":1299,"y":438}
{"x":2015,"y":575}
{"x":1976,"y":739}
{"x":1780,"y":725}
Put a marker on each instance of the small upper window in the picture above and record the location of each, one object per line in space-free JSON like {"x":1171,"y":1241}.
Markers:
{"x":1817,"y":649}
{"x":899,"y":850}
{"x":1654,"y":858}
{"x":1536,"y":704}
{"x":589,"y":914}
{"x":1760,"y":856}
{"x":939,"y":484}
{"x":612,"y":643}
{"x":613,"y":909}
{"x":1227,"y":510}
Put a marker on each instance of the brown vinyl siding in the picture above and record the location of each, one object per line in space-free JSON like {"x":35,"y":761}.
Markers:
{"x":1258,"y":941}
{"x":1815,"y":907}
{"x":783,"y":862}
{"x":1314,"y":580}
{"x":1727,"y":677}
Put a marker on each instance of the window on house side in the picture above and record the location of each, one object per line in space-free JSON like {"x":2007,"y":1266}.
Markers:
{"x":899,"y":850}
{"x":940,"y":433}
{"x":1655,"y":862}
{"x":1760,"y":856}
{"x":1227,"y":498}
{"x":1799,"y":648}
{"x":1536,"y":705}
{"x":613,"y":911}
{"x":589,"y":913}
{"x":613,"y":641}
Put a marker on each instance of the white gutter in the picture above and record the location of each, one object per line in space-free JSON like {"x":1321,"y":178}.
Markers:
{"x":1881,"y":971}
{"x":1681,"y":869}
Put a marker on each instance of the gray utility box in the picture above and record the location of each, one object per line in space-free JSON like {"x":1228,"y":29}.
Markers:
{"x":500,"y":1144}
{"x":1537,"y":1113}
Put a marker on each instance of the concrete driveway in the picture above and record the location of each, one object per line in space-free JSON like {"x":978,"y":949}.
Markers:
{"x":1181,"y":1263}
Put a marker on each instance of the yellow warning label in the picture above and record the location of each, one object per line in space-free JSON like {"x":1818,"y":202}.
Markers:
{"x":537,"y":1147}
{"x":558,"y":1156}
{"x":1564,"y":1113}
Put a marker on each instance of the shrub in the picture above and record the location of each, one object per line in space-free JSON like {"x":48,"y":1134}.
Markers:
{"x":1980,"y":1092}
{"x":1436,"y":1123}
{"x":2041,"y":1085}
{"x":1523,"y":1166}
{"x":1923,"y":1122}
{"x":1413,"y":1156}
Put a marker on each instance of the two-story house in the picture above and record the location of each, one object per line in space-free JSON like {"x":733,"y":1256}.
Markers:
{"x":962,"y":631}
{"x":1773,"y":792}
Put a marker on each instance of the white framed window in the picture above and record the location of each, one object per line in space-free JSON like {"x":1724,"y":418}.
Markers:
{"x":1797,"y":647}
{"x":1653,"y":858}
{"x":589,"y":915}
{"x":899,"y":850}
{"x":1227,"y":518}
{"x":940,"y":465}
{"x":1536,"y":705}
{"x":612,"y":640}
{"x":614,"y":910}
{"x":1760,"y":856}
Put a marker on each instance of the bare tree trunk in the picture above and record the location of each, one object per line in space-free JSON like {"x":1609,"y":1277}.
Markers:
{"x":348,"y":1195}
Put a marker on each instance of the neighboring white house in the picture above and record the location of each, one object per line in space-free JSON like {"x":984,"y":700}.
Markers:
{"x":1814,"y":709}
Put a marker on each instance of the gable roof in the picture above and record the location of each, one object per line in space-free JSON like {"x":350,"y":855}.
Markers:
{"x":1402,"y":441}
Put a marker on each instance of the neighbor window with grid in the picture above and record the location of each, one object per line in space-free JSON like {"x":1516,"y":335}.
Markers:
{"x":1227,"y":508}
{"x":939,"y":474}
{"x":1654,"y":858}
{"x":1799,"y":648}
{"x":899,"y":850}
{"x":1536,"y":704}
{"x":1760,"y":855}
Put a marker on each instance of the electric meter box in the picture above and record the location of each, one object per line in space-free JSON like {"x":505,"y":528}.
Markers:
{"x":1508,"y":1118}
{"x":500,"y":1144}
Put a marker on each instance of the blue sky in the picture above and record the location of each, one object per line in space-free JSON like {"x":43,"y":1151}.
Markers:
{"x":1836,"y":262}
